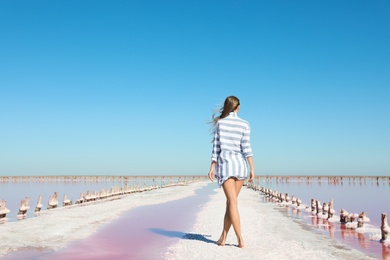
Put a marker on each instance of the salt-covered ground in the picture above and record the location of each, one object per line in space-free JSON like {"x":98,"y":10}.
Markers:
{"x":267,"y":235}
{"x":55,"y":229}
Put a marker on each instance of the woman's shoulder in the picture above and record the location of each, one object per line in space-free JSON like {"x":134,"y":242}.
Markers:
{"x":235,"y":121}
{"x":242,"y":120}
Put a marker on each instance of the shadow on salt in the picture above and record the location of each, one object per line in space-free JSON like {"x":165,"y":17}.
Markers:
{"x":182,"y":235}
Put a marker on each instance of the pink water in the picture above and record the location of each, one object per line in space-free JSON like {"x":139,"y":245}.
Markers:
{"x":356,"y":196}
{"x":352,"y":194}
{"x":142,"y":233}
{"x":13,"y":189}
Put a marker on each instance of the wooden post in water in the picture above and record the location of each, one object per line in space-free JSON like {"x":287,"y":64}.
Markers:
{"x":318,"y":207}
{"x":88,"y":196}
{"x":3,"y":209}
{"x":287,"y":198}
{"x":352,"y":217}
{"x":325,"y":209}
{"x":81,"y":199}
{"x":384,"y":227}
{"x":331,"y":210}
{"x":343,"y":216}
{"x":24,"y":206}
{"x":313,"y":205}
{"x":281,"y":197}
{"x":53,"y":201}
{"x":66,"y":202}
{"x":39,"y":204}
{"x":362,"y":219}
{"x":293,"y":200}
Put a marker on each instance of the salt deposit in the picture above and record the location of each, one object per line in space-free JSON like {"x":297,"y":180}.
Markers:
{"x":55,"y":228}
{"x":267,"y":235}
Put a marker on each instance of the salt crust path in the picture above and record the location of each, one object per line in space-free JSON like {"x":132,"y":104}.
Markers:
{"x":267,"y":235}
{"x":54,"y":229}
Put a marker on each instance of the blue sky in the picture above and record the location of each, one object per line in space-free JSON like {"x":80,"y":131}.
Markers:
{"x":127,"y":87}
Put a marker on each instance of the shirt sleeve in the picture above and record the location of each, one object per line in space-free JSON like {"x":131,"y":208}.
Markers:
{"x":246,"y":142}
{"x":216,"y":145}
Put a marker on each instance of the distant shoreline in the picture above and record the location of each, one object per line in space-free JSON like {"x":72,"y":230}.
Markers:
{"x":169,"y":176}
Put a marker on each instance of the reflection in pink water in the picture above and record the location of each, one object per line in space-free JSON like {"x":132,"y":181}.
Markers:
{"x":355,"y":194}
{"x":339,"y":232}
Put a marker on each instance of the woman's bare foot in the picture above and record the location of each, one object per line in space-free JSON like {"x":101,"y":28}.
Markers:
{"x":221,"y":241}
{"x":240,"y":242}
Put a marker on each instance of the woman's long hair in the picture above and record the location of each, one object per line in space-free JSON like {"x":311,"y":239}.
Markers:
{"x":231,"y":103}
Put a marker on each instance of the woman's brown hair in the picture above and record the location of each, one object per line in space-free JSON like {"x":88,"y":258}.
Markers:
{"x":231,"y":103}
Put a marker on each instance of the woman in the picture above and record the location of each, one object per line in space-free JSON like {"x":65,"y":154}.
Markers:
{"x":230,"y":157}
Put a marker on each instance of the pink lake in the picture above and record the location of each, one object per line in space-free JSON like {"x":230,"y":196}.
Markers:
{"x":142,"y":233}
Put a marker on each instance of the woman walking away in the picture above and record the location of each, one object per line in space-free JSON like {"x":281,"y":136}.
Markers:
{"x":230,"y":158}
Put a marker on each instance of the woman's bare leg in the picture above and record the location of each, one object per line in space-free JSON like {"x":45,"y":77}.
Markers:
{"x":232,"y":188}
{"x":226,"y":226}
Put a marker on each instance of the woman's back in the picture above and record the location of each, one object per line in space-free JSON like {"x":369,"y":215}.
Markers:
{"x":233,"y":133}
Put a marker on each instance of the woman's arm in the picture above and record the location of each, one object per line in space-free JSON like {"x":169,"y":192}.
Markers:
{"x":215,"y":153}
{"x":252,"y":170}
{"x":211,"y":172}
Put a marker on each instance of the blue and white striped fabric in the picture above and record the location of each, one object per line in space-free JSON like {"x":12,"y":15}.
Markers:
{"x":231,"y":147}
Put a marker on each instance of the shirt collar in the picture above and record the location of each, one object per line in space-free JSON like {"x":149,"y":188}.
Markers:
{"x":233,"y":114}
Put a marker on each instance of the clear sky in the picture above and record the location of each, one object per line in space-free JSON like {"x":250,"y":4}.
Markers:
{"x":127,"y":87}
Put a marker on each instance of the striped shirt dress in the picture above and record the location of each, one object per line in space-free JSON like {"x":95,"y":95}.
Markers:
{"x":231,"y":147}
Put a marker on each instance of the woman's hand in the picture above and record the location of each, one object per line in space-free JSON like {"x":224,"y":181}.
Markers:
{"x":211,"y":175}
{"x":251,"y":176}
{"x":211,"y":172}
{"x":252,"y":172}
